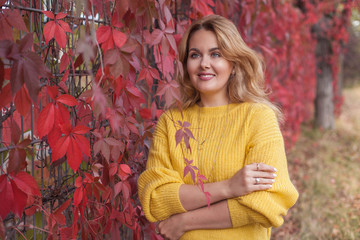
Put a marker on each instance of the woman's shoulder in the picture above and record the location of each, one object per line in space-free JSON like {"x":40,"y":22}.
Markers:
{"x":257,"y":108}
{"x":176,"y":113}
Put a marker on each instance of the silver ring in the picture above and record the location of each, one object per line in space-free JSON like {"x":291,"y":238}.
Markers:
{"x":257,"y":180}
{"x":156,"y":231}
{"x":257,"y":167}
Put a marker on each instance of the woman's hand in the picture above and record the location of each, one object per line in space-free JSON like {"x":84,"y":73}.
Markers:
{"x":251,"y":178}
{"x":172,"y":228}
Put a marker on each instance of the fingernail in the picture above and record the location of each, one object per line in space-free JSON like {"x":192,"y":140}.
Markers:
{"x":275,"y":169}
{"x":273,"y":180}
{"x":274,"y":175}
{"x":270,"y":186}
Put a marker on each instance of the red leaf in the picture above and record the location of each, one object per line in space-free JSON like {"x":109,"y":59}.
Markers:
{"x":6,"y":196}
{"x":17,"y":157}
{"x":15,"y":132}
{"x":2,"y":227}
{"x":45,"y":122}
{"x":60,"y":36}
{"x":49,"y":14}
{"x":78,"y":182}
{"x":124,"y":188}
{"x":83,"y":144}
{"x":74,"y":155}
{"x":78,"y":196}
{"x":17,"y":76}
{"x":64,"y":62}
{"x":119,"y":38}
{"x":124,"y":172}
{"x":67,"y":100}
{"x":60,"y":15}
{"x":186,"y":170}
{"x":60,"y":148}
{"x":5,"y":96}
{"x":26,"y":183}
{"x":52,"y":91}
{"x":59,"y":217}
{"x":81,"y":129}
{"x":24,"y":143}
{"x":33,"y":68}
{"x":49,"y":31}
{"x":65,"y":26}
{"x":15,"y":19}
{"x":20,"y":199}
{"x":26,"y":43}
{"x":178,"y":136}
{"x":112,"y":169}
{"x":64,"y":78}
{"x":189,"y":133}
{"x":186,"y":124}
{"x":156,"y":37}
{"x":112,"y":141}
{"x":103,"y":33}
{"x":22,"y":101}
{"x":66,"y":128}
{"x":66,"y":233}
{"x":192,"y":172}
{"x":2,"y":74}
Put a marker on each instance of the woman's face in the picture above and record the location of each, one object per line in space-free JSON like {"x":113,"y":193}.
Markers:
{"x":208,"y":70}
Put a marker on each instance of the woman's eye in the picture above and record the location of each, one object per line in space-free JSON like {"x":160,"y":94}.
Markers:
{"x":194,"y":55}
{"x":215,"y":54}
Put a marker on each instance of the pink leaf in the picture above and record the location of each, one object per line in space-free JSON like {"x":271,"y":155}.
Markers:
{"x":45,"y":122}
{"x":178,"y":136}
{"x":186,"y":124}
{"x":119,"y":38}
{"x":64,"y":62}
{"x":67,"y":100}
{"x":103,"y":33}
{"x":125,"y":168}
{"x":60,"y":36}
{"x":60,"y":148}
{"x":64,"y":26}
{"x":73,"y":154}
{"x":81,"y":129}
{"x":49,"y":14}
{"x":49,"y":31}
{"x":60,"y":15}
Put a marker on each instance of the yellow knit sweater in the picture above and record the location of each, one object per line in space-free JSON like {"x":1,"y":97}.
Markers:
{"x":249,"y":133}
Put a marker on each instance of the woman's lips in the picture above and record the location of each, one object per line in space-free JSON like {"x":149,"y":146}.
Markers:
{"x":205,"y":76}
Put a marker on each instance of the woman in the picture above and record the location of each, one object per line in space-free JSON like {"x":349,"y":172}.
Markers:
{"x":237,"y":145}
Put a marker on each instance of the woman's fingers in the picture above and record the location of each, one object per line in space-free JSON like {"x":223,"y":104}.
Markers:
{"x":263,"y":175}
{"x":262,"y":167}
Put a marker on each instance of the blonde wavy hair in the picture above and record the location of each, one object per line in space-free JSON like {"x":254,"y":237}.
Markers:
{"x":247,"y":84}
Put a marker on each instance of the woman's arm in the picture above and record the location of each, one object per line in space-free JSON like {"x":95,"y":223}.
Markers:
{"x":241,"y":184}
{"x":266,"y":142}
{"x":215,"y":217}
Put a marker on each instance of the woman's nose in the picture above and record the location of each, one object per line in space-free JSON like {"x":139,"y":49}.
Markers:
{"x":205,"y":62}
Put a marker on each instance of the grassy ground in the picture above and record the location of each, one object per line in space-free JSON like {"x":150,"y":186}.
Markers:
{"x":325,"y":167}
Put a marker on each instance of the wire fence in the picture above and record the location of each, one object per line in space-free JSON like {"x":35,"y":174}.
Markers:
{"x":50,"y":178}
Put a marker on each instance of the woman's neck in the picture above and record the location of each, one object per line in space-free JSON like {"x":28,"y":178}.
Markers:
{"x":212,"y":101}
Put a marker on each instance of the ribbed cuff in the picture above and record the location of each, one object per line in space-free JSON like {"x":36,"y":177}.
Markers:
{"x":238,"y":213}
{"x":166,"y":202}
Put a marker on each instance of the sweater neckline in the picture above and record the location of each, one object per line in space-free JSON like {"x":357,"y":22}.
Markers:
{"x":214,"y":111}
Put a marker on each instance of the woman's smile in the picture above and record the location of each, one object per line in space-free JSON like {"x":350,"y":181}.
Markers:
{"x":208,"y":70}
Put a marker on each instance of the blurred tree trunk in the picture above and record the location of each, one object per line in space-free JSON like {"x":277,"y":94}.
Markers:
{"x":324,"y":105}
{"x":340,"y":83}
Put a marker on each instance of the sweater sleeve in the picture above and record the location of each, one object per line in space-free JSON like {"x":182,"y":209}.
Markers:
{"x":265,"y":144}
{"x":159,"y":184}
